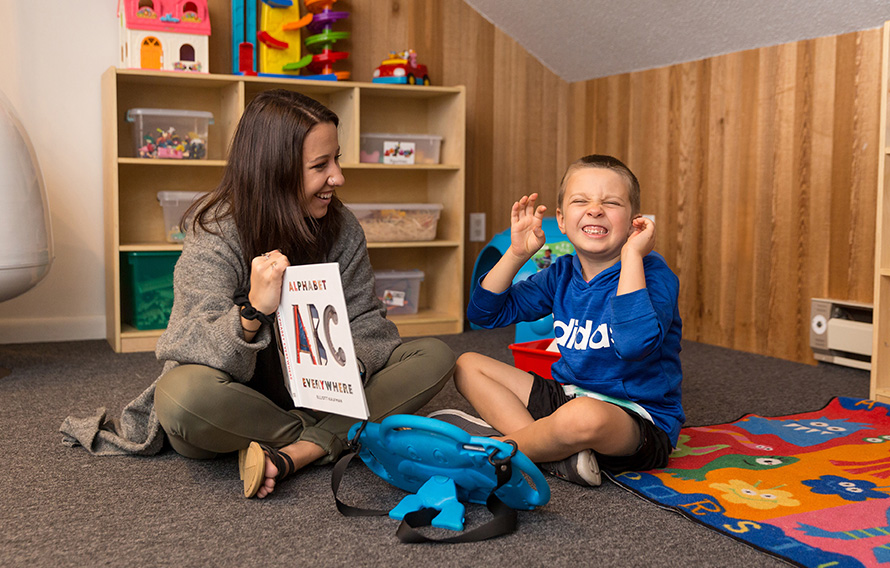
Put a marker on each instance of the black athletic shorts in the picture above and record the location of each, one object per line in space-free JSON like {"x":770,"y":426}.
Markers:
{"x":547,"y":395}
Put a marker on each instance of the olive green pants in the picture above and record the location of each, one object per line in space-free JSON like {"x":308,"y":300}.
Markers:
{"x":205,"y":413}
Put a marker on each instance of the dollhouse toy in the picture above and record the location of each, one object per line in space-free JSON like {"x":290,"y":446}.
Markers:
{"x":168,"y":35}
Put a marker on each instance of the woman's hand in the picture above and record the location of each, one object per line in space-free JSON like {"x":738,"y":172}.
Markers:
{"x":526,"y":234}
{"x":266,"y":277}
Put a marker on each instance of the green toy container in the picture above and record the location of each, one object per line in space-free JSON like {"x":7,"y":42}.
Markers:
{"x":147,"y":288}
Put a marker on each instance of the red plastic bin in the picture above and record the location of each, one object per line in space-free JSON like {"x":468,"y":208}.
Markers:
{"x":533,"y":357}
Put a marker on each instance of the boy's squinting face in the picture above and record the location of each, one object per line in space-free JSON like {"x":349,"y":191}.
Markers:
{"x":595,"y":215}
{"x":321,"y":167}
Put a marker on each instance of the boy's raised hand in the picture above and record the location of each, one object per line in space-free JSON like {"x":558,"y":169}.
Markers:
{"x":526,"y":234}
{"x":526,"y":237}
{"x":642,"y":237}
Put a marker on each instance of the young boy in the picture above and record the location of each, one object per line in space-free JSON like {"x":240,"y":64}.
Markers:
{"x":615,"y":401}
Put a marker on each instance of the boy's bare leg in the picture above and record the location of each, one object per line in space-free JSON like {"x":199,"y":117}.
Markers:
{"x":499,"y":392}
{"x":580,"y":424}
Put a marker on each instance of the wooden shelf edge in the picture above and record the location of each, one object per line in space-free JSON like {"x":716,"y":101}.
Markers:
{"x":149,"y":247}
{"x":879,"y":368}
{"x":174,"y":77}
{"x":882,"y":395}
{"x":213,"y":79}
{"x":131,"y":332}
{"x":135,"y":340}
{"x":408,"y":329}
{"x":395,"y":168}
{"x":153,"y":163}
{"x":142,"y":247}
{"x":414,"y":244}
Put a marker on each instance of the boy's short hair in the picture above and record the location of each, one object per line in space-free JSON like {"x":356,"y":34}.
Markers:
{"x":607,"y":163}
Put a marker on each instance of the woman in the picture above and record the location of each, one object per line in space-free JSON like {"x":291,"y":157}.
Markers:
{"x":222,"y":389}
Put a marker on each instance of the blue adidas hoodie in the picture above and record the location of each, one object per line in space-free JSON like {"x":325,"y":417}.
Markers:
{"x":626,"y":346}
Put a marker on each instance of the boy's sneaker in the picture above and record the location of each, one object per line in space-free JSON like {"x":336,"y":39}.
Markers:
{"x":580,"y":468}
{"x":469,"y":424}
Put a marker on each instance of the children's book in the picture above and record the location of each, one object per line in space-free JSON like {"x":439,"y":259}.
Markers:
{"x":315,"y":342}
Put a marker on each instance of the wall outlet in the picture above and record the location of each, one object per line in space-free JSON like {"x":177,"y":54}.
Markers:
{"x":477,"y":227}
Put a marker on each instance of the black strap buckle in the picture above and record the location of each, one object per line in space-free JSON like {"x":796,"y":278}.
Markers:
{"x":502,"y":466}
{"x":354,"y":445}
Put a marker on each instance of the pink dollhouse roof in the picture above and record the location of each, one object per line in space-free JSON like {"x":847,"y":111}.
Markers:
{"x":179,"y":16}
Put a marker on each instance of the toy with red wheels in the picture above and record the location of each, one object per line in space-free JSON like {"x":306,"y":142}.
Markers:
{"x":402,"y":69}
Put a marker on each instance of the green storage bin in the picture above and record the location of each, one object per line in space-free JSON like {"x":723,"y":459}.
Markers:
{"x":147,"y":288}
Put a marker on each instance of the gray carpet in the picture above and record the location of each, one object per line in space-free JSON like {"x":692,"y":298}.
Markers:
{"x":62,"y":507}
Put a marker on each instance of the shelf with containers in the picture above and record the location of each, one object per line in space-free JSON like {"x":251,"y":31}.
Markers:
{"x":134,"y":219}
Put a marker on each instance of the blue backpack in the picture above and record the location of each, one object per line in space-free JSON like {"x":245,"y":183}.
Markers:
{"x":441,"y":465}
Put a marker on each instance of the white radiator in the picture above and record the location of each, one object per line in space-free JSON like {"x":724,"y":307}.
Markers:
{"x":841,"y":332}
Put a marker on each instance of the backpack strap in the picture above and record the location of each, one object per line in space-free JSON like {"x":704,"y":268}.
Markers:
{"x":504,"y":517}
{"x":337,"y":476}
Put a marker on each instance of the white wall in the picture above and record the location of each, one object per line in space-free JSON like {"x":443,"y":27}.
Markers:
{"x":54,"y":54}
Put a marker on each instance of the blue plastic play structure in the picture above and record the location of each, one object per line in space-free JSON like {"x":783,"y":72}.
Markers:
{"x":495,"y":249}
{"x":442,"y":465}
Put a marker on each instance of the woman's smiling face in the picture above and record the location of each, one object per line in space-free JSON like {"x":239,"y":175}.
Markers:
{"x":321,"y":168}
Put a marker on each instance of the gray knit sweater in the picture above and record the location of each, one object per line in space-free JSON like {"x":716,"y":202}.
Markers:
{"x":205,"y":328}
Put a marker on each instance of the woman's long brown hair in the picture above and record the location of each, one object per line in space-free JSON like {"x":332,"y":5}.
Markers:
{"x":262,"y":185}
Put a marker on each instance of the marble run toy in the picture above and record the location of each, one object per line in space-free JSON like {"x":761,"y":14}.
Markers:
{"x":244,"y":59}
{"x":278,"y":39}
{"x":323,"y":40}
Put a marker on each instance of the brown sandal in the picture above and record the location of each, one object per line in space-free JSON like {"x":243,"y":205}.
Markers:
{"x":252,"y":466}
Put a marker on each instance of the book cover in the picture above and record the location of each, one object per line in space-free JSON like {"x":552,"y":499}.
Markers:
{"x":315,"y":342}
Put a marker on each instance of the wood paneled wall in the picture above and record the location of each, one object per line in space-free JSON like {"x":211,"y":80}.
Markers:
{"x":760,"y":166}
{"x":761,"y":169}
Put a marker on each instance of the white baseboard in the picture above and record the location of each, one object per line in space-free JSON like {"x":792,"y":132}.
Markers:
{"x":40,"y":330}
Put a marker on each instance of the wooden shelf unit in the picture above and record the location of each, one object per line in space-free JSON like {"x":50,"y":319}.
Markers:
{"x":880,"y":358}
{"x":134,"y":220}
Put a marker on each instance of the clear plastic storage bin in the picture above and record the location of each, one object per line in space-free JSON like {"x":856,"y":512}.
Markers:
{"x":400,"y":148}
{"x":175,"y":204}
{"x":169,"y":133}
{"x":384,"y":222}
{"x":399,"y":290}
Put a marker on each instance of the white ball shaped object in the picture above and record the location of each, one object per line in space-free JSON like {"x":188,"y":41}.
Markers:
{"x":25,"y":233}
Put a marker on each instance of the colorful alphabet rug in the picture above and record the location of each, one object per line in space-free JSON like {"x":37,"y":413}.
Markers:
{"x":811,"y":488}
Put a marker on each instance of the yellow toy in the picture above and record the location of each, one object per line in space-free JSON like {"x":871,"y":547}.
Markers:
{"x":279,"y":38}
